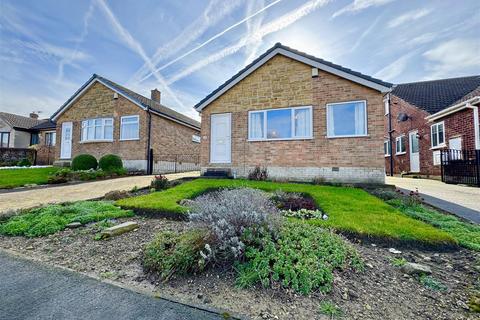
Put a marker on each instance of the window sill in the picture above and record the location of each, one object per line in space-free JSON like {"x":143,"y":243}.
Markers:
{"x":95,"y":141}
{"x":135,"y":139}
{"x":387,"y":156}
{"x":400,"y":153}
{"x":281,"y":139}
{"x":350,"y":136}
{"x":440,"y":146}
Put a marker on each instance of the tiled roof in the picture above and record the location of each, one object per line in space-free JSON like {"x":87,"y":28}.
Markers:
{"x":20,"y":122}
{"x":137,"y":98}
{"x":46,"y":124}
{"x":434,"y":96}
{"x":303,"y":54}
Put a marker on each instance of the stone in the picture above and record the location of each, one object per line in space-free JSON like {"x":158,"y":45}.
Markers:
{"x":394,"y":251}
{"x":415,"y":268}
{"x":74,"y":225}
{"x":119,"y":229}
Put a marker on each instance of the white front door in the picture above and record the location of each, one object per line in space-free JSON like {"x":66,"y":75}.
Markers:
{"x":220,"y":138}
{"x":414,"y":152}
{"x":66,"y":145}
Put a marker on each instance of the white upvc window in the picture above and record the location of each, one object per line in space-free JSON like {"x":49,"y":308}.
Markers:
{"x":386,"y":148}
{"x":386,"y":106}
{"x":99,"y":129}
{"x":400,"y":145}
{"x":129,"y":128}
{"x":281,"y":124}
{"x":437,"y":134}
{"x":347,"y":119}
{"x":50,"y":138}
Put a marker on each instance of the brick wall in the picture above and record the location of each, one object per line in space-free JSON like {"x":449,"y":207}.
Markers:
{"x":284,"y":82}
{"x":45,"y":154}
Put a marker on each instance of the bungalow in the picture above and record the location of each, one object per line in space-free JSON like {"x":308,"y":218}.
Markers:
{"x":18,"y":133}
{"x":103,"y":117}
{"x":426,"y":117}
{"x":299,"y":116}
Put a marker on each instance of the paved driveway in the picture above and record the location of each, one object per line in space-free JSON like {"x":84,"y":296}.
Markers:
{"x":75,"y":192}
{"x":29,"y":290}
{"x":459,"y":200}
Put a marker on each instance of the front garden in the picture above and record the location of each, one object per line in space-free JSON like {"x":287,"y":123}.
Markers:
{"x":267,"y":250}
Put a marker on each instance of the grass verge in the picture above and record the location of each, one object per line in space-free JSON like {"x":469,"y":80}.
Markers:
{"x":350,"y":210}
{"x":12,"y":178}
{"x":53,"y":218}
{"x":466,"y":234}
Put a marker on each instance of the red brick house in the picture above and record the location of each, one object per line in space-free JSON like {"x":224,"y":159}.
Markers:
{"x":103,"y":117}
{"x":426,"y":117}
{"x":299,"y":116}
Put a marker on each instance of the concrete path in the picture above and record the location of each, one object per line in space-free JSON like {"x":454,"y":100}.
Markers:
{"x":459,"y":200}
{"x":29,"y":290}
{"x":75,"y":192}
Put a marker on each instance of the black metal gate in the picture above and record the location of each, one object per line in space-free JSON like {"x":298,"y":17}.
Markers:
{"x":173,"y":163}
{"x":460,"y":166}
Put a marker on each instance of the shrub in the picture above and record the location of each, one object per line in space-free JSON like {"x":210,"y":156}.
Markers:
{"x":258,"y":174}
{"x":303,"y":258}
{"x":304,"y":214}
{"x":60,"y":176}
{"x":110,"y":162}
{"x":65,"y":175}
{"x":173,"y":253}
{"x":159,"y":182}
{"x":293,"y":201}
{"x":84,"y":162}
{"x":53,"y":218}
{"x":226,"y":214}
{"x":24,"y":163}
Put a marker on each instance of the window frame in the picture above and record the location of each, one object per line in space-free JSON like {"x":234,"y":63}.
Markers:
{"x":8,"y":139}
{"x":50,"y":133}
{"x":84,"y":124}
{"x":387,"y":154}
{"x":292,"y":119}
{"x":328,"y":105}
{"x":443,"y":144}
{"x":403,"y":136}
{"x":121,"y":127}
{"x":386,"y":106}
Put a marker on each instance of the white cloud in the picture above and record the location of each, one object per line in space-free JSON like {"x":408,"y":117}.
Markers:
{"x":452,"y":58}
{"x":359,"y":5}
{"x":395,"y":69}
{"x":135,"y":46}
{"x":274,"y":26}
{"x":216,"y":11}
{"x":409,"y":17}
{"x":211,"y":39}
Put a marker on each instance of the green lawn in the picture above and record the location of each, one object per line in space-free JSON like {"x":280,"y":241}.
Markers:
{"x":349,"y":209}
{"x":12,"y":178}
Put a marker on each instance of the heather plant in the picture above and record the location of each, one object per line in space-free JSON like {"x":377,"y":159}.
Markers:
{"x":159,"y":182}
{"x":227,"y":214}
{"x":293,"y":201}
{"x":259,"y":174}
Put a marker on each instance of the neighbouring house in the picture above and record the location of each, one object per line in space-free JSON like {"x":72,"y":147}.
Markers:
{"x":299,"y":116}
{"x":427,"y":117}
{"x":19,"y":133}
{"x":103,"y":117}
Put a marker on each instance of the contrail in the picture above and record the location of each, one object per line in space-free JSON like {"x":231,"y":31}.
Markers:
{"x":210,"y":40}
{"x":135,"y":46}
{"x":274,"y":26}
{"x":215,"y":12}
{"x":253,"y":25}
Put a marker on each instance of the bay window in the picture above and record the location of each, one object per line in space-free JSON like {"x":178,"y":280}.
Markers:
{"x":129,"y":128}
{"x":437,"y":133}
{"x":280,"y":124}
{"x":347,"y":119}
{"x":100,"y":129}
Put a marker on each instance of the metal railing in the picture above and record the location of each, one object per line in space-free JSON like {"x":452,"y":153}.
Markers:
{"x":460,"y":166}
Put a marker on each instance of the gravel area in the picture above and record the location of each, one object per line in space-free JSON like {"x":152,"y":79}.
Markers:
{"x":382,"y":291}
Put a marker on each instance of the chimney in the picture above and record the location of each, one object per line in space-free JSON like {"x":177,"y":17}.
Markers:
{"x":155,"y":95}
{"x":33,"y":115}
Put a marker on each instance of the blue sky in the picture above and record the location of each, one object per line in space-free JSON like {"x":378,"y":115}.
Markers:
{"x":49,"y":48}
